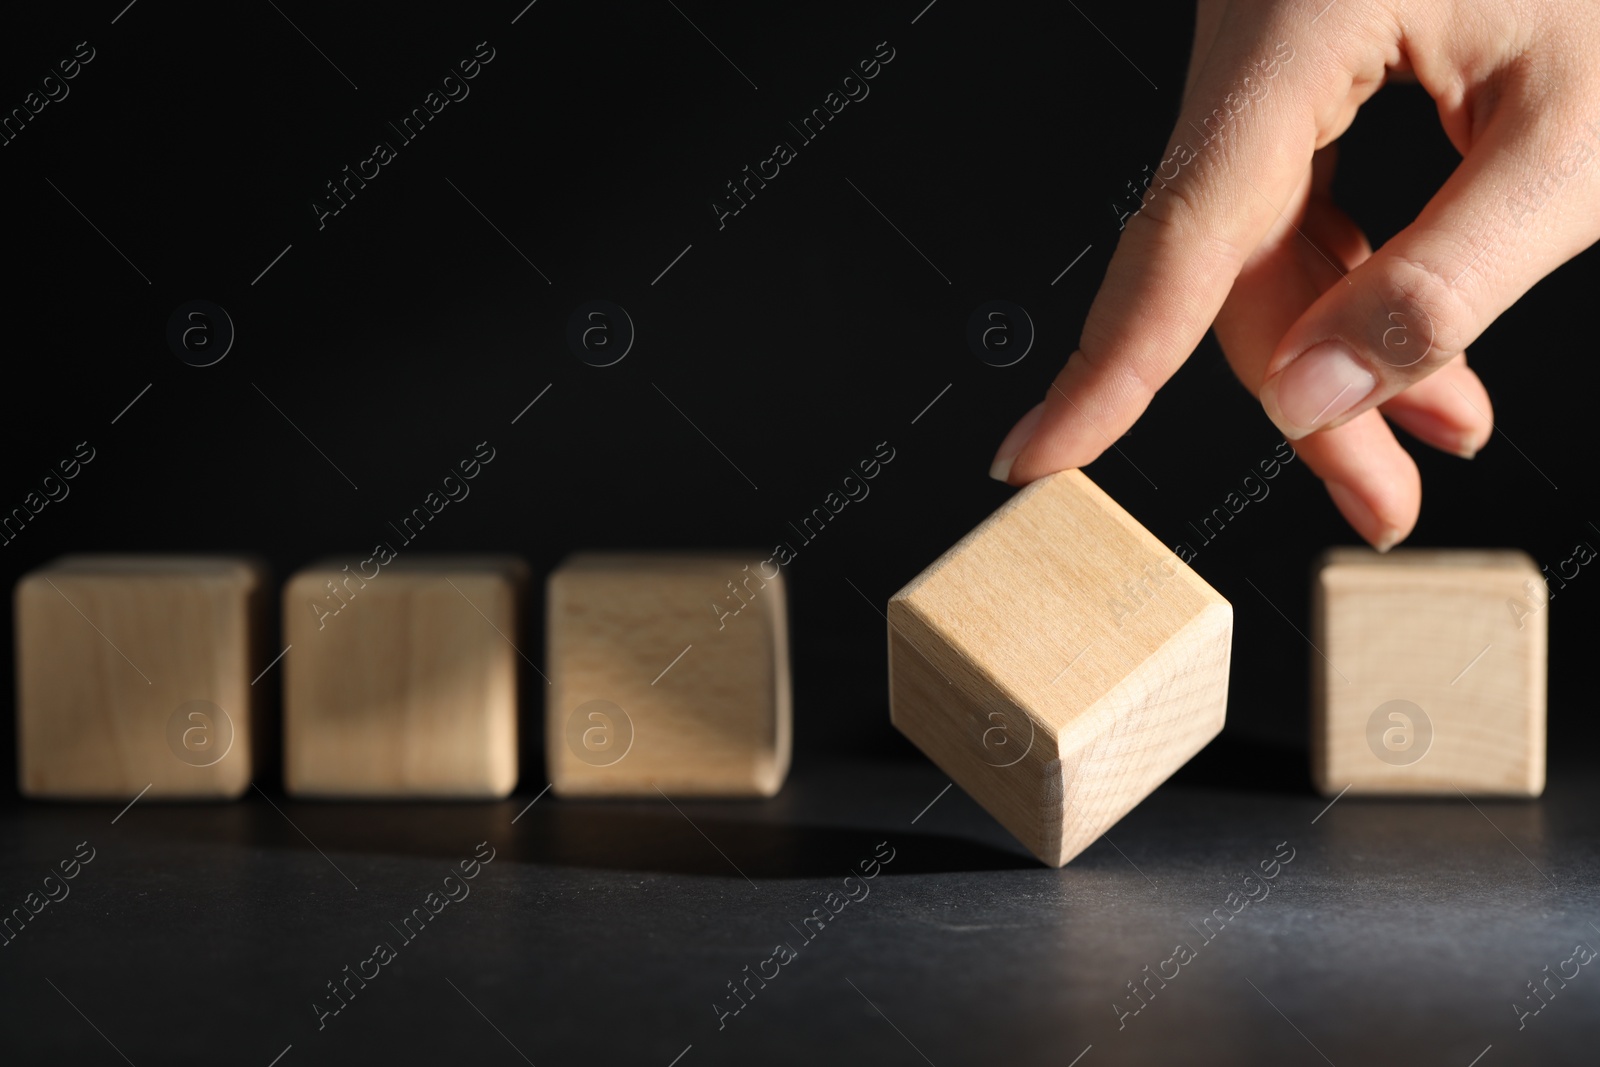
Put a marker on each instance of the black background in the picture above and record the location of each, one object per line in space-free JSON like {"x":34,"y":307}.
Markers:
{"x":796,"y":338}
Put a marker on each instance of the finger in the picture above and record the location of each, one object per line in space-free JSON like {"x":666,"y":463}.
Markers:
{"x":1373,"y":481}
{"x":1231,"y":161}
{"x":1449,"y":410}
{"x":1287,"y":274}
{"x":1334,"y":237}
{"x":1421,"y":299}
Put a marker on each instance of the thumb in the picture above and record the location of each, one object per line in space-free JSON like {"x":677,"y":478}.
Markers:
{"x":1521,"y":203}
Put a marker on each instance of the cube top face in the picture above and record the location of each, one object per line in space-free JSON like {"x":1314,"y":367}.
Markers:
{"x":667,"y":671}
{"x":1431,"y":673}
{"x":403,"y":683}
{"x":328,"y":586}
{"x":1354,"y":564}
{"x":135,"y":671}
{"x":420,"y":564}
{"x":1059,"y":575}
{"x":224,"y":570}
{"x":1059,"y":663}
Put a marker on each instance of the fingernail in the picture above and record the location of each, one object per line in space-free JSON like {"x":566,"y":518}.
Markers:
{"x":1015,"y":442}
{"x":1372,"y":529}
{"x":1324,"y":383}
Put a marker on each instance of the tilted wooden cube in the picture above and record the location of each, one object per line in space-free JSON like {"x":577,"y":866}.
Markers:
{"x":670,"y":673}
{"x":402,"y":677}
{"x":135,"y":671}
{"x":1059,"y":663}
{"x":1428,"y":673}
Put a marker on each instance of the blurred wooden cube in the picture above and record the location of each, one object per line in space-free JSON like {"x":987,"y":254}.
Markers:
{"x":135,"y":671}
{"x":1059,"y":663}
{"x":670,"y":673}
{"x":1428,"y":674}
{"x":402,"y":677}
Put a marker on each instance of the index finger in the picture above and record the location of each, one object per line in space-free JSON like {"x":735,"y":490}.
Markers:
{"x":1243,"y":149}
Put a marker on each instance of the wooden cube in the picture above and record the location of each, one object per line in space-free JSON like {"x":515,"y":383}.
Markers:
{"x":402,"y":677}
{"x":1059,"y":663}
{"x":668,"y":672}
{"x":135,"y":671}
{"x":1428,"y":674}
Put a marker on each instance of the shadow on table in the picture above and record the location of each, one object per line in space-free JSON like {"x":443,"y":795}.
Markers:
{"x":598,"y":835}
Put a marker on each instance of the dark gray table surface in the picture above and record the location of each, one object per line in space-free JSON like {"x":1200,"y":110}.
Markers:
{"x":1400,"y":932}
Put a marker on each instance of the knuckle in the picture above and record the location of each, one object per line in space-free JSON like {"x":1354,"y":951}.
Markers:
{"x":1129,"y":386}
{"x":1120,"y":384}
{"x":1179,"y":220}
{"x":1426,"y":322}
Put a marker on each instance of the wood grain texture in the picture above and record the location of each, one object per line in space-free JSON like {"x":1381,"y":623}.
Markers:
{"x":658,"y":684}
{"x":109,"y":648}
{"x":411,"y":689}
{"x":1059,"y":663}
{"x":1454,"y":633}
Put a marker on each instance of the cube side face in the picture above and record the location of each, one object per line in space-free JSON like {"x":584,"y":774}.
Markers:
{"x":1145,"y":728}
{"x":409,"y":689}
{"x":963,"y":721}
{"x":1318,"y":676}
{"x":1433,"y":680}
{"x":159,"y":697}
{"x":663,"y":678}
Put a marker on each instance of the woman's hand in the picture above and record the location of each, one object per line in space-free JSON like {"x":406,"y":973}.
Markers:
{"x":1237,"y":230}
